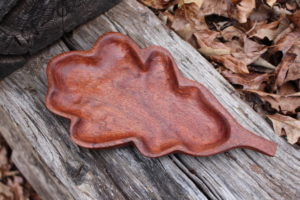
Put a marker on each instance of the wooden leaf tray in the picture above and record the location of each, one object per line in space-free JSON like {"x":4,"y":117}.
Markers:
{"x":116,"y":94}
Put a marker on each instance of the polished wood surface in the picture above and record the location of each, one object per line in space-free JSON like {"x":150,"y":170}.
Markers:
{"x":117,"y":93}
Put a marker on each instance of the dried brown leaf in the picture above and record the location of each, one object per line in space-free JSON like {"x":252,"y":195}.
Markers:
{"x":208,"y":51}
{"x":242,"y":48}
{"x":282,"y":103}
{"x":185,"y":30}
{"x":3,"y":158}
{"x":235,"y":53}
{"x":294,"y":72}
{"x":233,"y":37}
{"x":208,"y":45}
{"x":294,"y":68}
{"x":157,"y":4}
{"x":197,"y":2}
{"x":263,"y":63}
{"x":232,"y":63}
{"x":187,"y":20}
{"x":11,"y":185}
{"x":289,"y":68}
{"x":270,"y":30}
{"x":5,"y":192}
{"x":287,"y":88}
{"x":264,"y":29}
{"x":283,"y":68}
{"x":295,"y":18}
{"x":242,"y":9}
{"x":271,"y":2}
{"x":16,"y":187}
{"x":217,"y":7}
{"x":251,"y":51}
{"x":218,"y":51}
{"x":287,"y":42}
{"x":262,"y":12}
{"x":252,"y":81}
{"x":292,"y":5}
{"x":286,"y":126}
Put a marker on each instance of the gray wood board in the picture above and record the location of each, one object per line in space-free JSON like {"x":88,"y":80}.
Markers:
{"x":30,"y":163}
{"x":122,"y":173}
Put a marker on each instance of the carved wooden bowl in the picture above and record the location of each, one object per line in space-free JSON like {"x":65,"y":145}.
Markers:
{"x":117,"y":93}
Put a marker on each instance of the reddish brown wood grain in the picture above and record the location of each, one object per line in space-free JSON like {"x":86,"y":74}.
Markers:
{"x":117,"y":93}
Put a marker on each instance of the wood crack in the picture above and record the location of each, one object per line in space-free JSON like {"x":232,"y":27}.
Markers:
{"x":266,"y":175}
{"x":116,"y":184}
{"x":206,"y":191}
{"x":117,"y":26}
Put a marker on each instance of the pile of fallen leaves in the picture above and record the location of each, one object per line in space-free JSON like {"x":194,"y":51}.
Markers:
{"x":254,"y":44}
{"x":12,"y":185}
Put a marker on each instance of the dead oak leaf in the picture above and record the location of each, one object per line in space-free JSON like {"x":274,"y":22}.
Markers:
{"x":271,"y":2}
{"x":262,"y":12}
{"x":286,"y":43}
{"x":282,"y":70}
{"x":232,"y":63}
{"x":264,"y":63}
{"x":242,"y":48}
{"x":281,"y":103}
{"x":3,"y":158}
{"x":250,"y":52}
{"x":16,"y":187}
{"x":289,"y":68}
{"x":5,"y":192}
{"x":187,"y":20}
{"x":270,"y":30}
{"x":232,"y":35}
{"x":235,"y":53}
{"x":295,"y":18}
{"x":197,"y":2}
{"x":252,"y":81}
{"x":242,"y":9}
{"x":217,"y":7}
{"x":208,"y":44}
{"x":294,"y":72}
{"x":292,"y":5}
{"x":218,"y":51}
{"x":156,"y":4}
{"x":287,"y":88}
{"x":185,"y":30}
{"x":286,"y":126}
{"x":4,"y":163}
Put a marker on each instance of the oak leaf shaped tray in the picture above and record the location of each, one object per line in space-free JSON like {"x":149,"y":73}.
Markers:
{"x":117,"y":94}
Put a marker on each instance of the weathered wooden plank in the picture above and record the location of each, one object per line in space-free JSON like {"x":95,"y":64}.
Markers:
{"x":123,"y":173}
{"x":109,"y":174}
{"x":31,"y":165}
{"x":241,"y":174}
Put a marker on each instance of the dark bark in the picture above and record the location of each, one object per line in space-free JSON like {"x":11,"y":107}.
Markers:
{"x":27,"y":26}
{"x":8,"y":64}
{"x":5,"y":6}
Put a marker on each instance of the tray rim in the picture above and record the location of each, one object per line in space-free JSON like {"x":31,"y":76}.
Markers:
{"x":238,"y":137}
